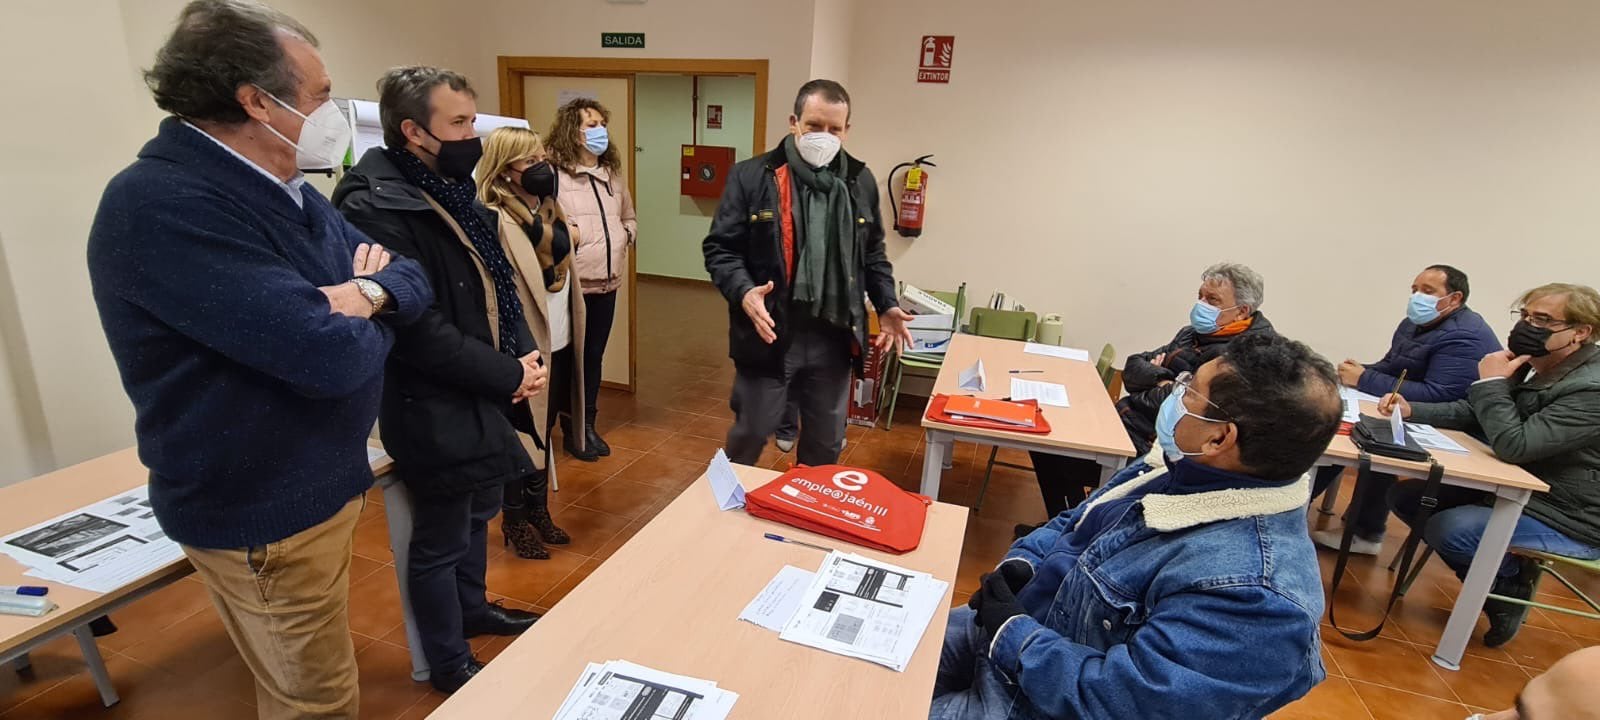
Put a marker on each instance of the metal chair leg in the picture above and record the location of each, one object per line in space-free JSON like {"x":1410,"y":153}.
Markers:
{"x":987,"y":473}
{"x":1405,"y":586}
{"x":894,"y":396}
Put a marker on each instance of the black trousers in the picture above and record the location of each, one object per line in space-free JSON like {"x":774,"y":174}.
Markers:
{"x":1371,"y":518}
{"x":1062,"y":480}
{"x":602,"y":311}
{"x":449,"y":556}
{"x":816,"y":379}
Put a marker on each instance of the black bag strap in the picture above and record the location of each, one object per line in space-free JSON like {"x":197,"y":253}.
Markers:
{"x":1408,"y":551}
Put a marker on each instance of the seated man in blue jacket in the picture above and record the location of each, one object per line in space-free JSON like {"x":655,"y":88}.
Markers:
{"x":1187,"y":586}
{"x":1437,"y":346}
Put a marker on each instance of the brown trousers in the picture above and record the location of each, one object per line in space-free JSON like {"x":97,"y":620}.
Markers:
{"x":286,"y":606}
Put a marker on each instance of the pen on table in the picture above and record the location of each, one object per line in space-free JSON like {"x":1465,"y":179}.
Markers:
{"x":34,"y":590}
{"x":1020,"y":372}
{"x":782,"y":539}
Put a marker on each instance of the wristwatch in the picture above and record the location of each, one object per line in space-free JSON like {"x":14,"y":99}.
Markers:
{"x":374,"y":293}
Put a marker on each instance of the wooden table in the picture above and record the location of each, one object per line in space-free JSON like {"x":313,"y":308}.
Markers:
{"x":1089,"y":429}
{"x":1480,"y":470}
{"x":670,"y":599}
{"x":38,"y":499}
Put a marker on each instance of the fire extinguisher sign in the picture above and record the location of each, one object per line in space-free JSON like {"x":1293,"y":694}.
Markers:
{"x":934,"y":58}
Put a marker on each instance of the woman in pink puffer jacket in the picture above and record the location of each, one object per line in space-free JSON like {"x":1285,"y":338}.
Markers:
{"x":594,"y":195}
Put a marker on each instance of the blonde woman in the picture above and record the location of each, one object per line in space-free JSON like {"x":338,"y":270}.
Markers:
{"x":515,"y":181}
{"x":594,"y":195}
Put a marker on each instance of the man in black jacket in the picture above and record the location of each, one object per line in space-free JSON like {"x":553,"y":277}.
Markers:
{"x":454,"y":375}
{"x":795,"y":244}
{"x":1227,"y":306}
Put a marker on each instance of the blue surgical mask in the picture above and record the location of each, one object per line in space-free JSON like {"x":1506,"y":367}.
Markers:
{"x":1172,"y":410}
{"x":1203,"y":317}
{"x":1423,"y":308}
{"x":597,"y":139}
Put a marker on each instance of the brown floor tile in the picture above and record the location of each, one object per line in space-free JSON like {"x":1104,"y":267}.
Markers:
{"x":691,"y":447}
{"x":664,"y":471}
{"x":1389,"y":662}
{"x":1333,"y":699}
{"x":698,"y":401}
{"x":53,"y":663}
{"x":590,"y":529}
{"x":637,"y":437}
{"x":1534,"y":647}
{"x":575,"y":481}
{"x":625,"y":498}
{"x":145,"y":692}
{"x":529,"y":580}
{"x":152,"y":614}
{"x":607,"y":466}
{"x":664,"y":419}
{"x":620,"y":539}
{"x":566,"y":585}
{"x":1484,"y":683}
{"x":372,"y":537}
{"x":425,"y":706}
{"x":193,"y":646}
{"x":1387,"y":703}
{"x":386,"y":685}
{"x":375,"y":603}
{"x":709,"y":427}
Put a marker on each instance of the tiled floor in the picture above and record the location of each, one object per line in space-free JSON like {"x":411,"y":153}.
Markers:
{"x":172,"y":659}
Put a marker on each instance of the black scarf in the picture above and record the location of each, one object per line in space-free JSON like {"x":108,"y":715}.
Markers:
{"x":460,"y":199}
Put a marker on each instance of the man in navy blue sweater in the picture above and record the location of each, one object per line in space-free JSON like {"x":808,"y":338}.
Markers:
{"x":1437,"y":347}
{"x":250,"y":323}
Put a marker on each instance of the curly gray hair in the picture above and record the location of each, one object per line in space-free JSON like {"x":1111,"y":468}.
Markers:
{"x":1248,"y":287}
{"x":217,"y":46}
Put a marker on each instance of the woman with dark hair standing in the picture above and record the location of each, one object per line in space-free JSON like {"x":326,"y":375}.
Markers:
{"x":594,"y":195}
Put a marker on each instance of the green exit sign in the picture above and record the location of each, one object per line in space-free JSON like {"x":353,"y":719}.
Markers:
{"x":634,"y":41}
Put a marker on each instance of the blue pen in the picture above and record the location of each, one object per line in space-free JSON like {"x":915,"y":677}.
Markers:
{"x":782,"y":539}
{"x":34,"y":590}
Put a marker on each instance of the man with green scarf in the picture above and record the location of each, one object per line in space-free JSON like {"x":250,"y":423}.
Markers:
{"x":797,"y":248}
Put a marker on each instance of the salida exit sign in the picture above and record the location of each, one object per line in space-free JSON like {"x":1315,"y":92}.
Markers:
{"x":634,"y":41}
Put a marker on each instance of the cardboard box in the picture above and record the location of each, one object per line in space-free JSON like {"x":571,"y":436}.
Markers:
{"x":931,"y":341}
{"x":864,"y":390}
{"x":919,"y":302}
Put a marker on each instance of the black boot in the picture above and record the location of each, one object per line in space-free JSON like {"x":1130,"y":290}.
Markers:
{"x":450,"y":681}
{"x":537,"y":501}
{"x":595,"y":442}
{"x":497,"y":619}
{"x":568,"y":440}
{"x":520,"y":534}
{"x":1505,"y":618}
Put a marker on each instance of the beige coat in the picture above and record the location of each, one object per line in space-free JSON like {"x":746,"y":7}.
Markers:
{"x":536,"y":311}
{"x":597,"y":203}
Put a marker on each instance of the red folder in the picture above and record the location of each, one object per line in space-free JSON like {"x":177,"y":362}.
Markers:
{"x":943,"y":408}
{"x":851,"y":504}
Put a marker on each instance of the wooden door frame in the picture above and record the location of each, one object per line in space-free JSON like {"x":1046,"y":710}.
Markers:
{"x":514,"y":68}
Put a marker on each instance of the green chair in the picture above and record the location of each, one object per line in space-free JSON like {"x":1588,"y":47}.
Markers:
{"x":922,"y":364}
{"x":1548,"y":563}
{"x":1108,"y":374}
{"x":1008,"y":325}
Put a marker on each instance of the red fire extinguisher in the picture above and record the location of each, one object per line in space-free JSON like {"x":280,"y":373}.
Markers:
{"x":912,"y":192}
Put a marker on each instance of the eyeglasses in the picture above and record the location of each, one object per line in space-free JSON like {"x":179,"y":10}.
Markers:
{"x":1184,"y":382}
{"x":1541,"y":320}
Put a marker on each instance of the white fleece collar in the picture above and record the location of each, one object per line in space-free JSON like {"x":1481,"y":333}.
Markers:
{"x":1166,"y":513}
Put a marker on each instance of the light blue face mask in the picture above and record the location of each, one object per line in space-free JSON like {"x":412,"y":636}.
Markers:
{"x":1172,"y":410}
{"x":597,"y":139}
{"x":1203,"y":317}
{"x":1423,"y":308}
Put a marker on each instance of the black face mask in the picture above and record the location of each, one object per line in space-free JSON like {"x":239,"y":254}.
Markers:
{"x":540,"y":180}
{"x":1528,"y":340}
{"x":457,"y":158}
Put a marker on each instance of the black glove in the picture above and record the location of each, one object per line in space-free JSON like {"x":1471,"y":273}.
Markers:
{"x":1017,"y":573}
{"x":995,"y":602}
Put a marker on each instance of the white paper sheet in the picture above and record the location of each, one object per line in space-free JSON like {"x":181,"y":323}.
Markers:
{"x":779,"y":600}
{"x":1053,"y":394}
{"x":1431,"y":438}
{"x":1397,"y":427}
{"x":1352,"y":399}
{"x":725,"y":486}
{"x":973,"y":378}
{"x":100,"y":547}
{"x":1064,"y":353}
{"x":620,"y":689}
{"x":866,"y":609}
{"x":1350,"y":393}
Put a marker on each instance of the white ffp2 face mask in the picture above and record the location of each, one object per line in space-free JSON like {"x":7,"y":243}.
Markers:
{"x":323,"y":138}
{"x":818,"y":149}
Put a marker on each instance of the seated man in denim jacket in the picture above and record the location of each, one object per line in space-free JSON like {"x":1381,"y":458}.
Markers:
{"x":1185,"y":588}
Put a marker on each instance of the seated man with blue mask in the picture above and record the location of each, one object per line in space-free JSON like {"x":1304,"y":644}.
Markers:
{"x":1187,"y":586}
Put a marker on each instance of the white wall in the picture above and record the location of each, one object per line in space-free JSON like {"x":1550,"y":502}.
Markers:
{"x":1094,"y":156}
{"x":832,"y":33}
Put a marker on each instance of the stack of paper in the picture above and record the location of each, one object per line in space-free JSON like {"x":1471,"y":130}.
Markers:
{"x":620,"y":690}
{"x":1352,"y":399}
{"x":99,"y":548}
{"x":854,"y":606}
{"x":1056,"y":351}
{"x":1054,"y":394}
{"x":1431,"y":438}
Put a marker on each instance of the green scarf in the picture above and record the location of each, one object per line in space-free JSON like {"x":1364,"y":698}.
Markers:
{"x":824,"y":270}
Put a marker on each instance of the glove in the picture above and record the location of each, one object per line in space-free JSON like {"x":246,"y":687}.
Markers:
{"x":994,"y":603}
{"x":1017,"y":573}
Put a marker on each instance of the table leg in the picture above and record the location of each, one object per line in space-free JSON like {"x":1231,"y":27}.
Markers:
{"x":1492,"y":546}
{"x":397,"y":509}
{"x":1331,"y":494}
{"x":97,"y":665}
{"x":933,"y":464}
{"x":1108,"y":468}
{"x":22,"y":663}
{"x":949,"y":453}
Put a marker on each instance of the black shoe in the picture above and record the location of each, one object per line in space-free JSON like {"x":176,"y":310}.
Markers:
{"x":1021,"y":531}
{"x":102,"y":626}
{"x":449,"y":682}
{"x":595,"y":442}
{"x":1505,"y":618}
{"x":498,"y":619}
{"x":588,"y":454}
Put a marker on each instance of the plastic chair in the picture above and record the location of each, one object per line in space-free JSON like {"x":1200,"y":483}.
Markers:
{"x":927,"y":364}
{"x":1108,"y":374}
{"x":1008,"y":325}
{"x":1547,"y":563}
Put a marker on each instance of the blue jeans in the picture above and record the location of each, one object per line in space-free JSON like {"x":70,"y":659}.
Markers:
{"x":1457,"y":526}
{"x":966,"y":688}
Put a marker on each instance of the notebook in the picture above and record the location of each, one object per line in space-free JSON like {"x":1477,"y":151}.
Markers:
{"x":1010,"y":413}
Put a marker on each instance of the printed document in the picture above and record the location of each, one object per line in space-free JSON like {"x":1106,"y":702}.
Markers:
{"x":1431,"y":438}
{"x":1065,"y":353}
{"x":620,"y":690}
{"x":779,"y":600}
{"x":100,"y":547}
{"x":1054,"y":394}
{"x":863,"y":608}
